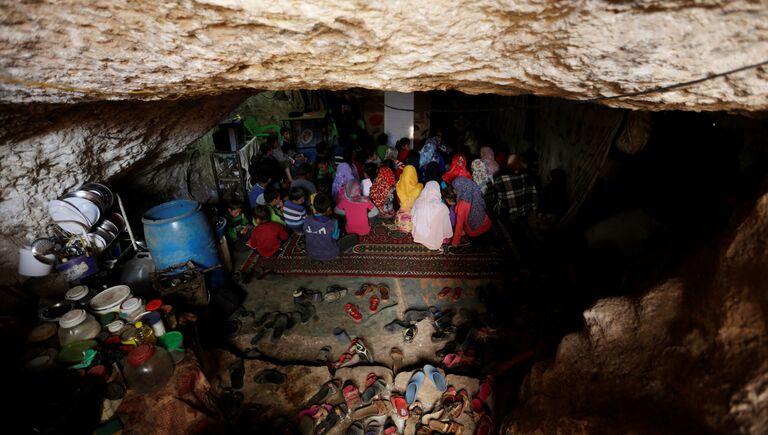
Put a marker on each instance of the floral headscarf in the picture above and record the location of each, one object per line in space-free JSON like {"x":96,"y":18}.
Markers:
{"x":480,"y":175}
{"x":344,"y":173}
{"x":486,"y":155}
{"x":381,"y":186}
{"x":408,"y":188}
{"x":458,"y":169}
{"x":467,"y":190}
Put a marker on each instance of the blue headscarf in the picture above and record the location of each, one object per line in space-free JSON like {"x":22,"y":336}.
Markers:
{"x":468,"y":191}
{"x":428,"y":153}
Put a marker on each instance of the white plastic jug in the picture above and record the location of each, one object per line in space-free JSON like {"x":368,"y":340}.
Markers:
{"x":31,"y":266}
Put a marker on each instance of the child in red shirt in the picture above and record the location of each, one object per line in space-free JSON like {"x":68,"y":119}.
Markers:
{"x":268,"y":236}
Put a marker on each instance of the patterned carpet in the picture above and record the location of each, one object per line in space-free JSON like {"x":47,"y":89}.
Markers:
{"x":386,"y":252}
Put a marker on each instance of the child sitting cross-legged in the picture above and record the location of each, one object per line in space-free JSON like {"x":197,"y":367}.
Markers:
{"x":268,"y":236}
{"x":322,"y":232}
{"x":294,"y":211}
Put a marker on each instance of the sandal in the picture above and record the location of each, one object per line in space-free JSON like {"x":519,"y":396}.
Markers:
{"x":373,"y":388}
{"x":410,"y":333}
{"x":398,"y":402}
{"x":413,"y":419}
{"x":373,"y":304}
{"x":334,"y":293}
{"x":397,"y":360}
{"x":442,"y":294}
{"x":365,"y":289}
{"x":446,"y":427}
{"x":351,"y":395}
{"x":377,"y":407}
{"x":326,"y":391}
{"x":384,"y":290}
{"x":356,"y":428}
{"x":353,"y":312}
{"x":372,"y":428}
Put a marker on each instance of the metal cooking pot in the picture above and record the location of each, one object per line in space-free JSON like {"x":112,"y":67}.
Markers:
{"x":103,"y":191}
{"x":90,"y":196}
{"x":107,"y":225}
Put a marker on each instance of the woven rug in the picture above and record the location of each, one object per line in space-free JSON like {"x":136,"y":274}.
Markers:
{"x":387,"y":252}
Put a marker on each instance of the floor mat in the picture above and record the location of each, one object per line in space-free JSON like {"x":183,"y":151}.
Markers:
{"x":387,"y":252}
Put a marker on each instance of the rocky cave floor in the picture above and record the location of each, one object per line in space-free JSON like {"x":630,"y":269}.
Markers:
{"x":505,"y":353}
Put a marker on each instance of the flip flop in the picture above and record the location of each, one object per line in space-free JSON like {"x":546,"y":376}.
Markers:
{"x":356,"y":428}
{"x":456,"y":294}
{"x":372,"y":428}
{"x":334,"y":417}
{"x":384,"y":290}
{"x":398,"y":402}
{"x":437,"y":378}
{"x":413,"y":386}
{"x":353,"y":312}
{"x":373,"y":304}
{"x":397,"y":360}
{"x":373,"y":390}
{"x":281,"y":321}
{"x":442,"y":294}
{"x":365,"y":289}
{"x":351,"y":395}
{"x":389,"y":427}
{"x":334,"y":293}
{"x":327,"y":390}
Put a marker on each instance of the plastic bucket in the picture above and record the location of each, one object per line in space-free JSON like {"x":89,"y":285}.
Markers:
{"x":178,"y":231}
{"x":31,"y":266}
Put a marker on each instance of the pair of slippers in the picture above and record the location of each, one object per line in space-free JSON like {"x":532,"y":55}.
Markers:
{"x":370,"y":288}
{"x":417,"y":379}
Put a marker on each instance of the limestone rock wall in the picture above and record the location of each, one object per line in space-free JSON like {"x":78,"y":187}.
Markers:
{"x":689,"y":356}
{"x":86,"y":50}
{"x":48,"y":149}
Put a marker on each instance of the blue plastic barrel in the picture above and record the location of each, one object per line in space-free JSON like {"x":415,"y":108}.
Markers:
{"x":178,"y":231}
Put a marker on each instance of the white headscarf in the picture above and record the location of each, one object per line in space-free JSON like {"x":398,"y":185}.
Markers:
{"x":431,"y":218}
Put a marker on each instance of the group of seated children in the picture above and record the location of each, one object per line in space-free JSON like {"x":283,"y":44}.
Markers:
{"x":415,"y":190}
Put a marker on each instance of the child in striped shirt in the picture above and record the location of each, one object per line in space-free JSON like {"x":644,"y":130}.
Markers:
{"x":294,"y":211}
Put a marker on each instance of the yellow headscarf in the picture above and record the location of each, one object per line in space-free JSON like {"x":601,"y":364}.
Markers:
{"x":408,"y":188}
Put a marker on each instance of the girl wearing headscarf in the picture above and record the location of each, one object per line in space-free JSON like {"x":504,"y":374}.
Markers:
{"x":428,"y":153}
{"x":382,"y":192}
{"x":344,"y":174}
{"x":486,"y":155}
{"x":470,"y":210}
{"x":356,"y":207}
{"x":458,"y":168}
{"x":480,"y":175}
{"x":430,"y":217}
{"x":408,"y":188}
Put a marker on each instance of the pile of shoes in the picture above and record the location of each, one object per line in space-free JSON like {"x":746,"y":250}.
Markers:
{"x":442,"y":321}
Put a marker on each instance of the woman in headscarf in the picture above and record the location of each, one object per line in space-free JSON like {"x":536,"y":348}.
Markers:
{"x":356,"y":207}
{"x":382,"y":192}
{"x":487,"y":156}
{"x":428,"y":153}
{"x":470,"y":210}
{"x":430,"y":217}
{"x":408,"y":188}
{"x":458,"y":168}
{"x":344,"y":174}
{"x":480,"y":175}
